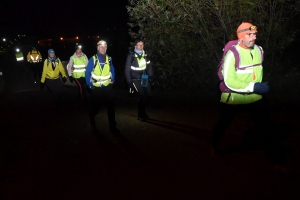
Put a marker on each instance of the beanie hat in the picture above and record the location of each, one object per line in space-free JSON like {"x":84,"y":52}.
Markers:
{"x":50,"y":51}
{"x":138,"y":40}
{"x":245,"y":28}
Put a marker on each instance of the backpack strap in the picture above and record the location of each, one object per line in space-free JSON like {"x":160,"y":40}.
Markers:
{"x":236,"y":56}
{"x":96,"y":61}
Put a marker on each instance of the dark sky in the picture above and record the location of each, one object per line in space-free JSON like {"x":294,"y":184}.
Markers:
{"x":65,"y":17}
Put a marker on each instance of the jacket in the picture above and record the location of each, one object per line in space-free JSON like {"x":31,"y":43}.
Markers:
{"x":49,"y":73}
{"x":242,"y":80}
{"x":34,"y":56}
{"x":132,"y":63}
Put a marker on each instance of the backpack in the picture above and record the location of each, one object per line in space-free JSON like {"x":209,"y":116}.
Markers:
{"x":231,"y":46}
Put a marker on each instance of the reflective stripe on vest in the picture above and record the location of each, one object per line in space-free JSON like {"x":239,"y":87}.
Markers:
{"x":142,"y":63}
{"x":19,"y":56}
{"x":79,"y":66}
{"x":34,"y":59}
{"x":101,"y":76}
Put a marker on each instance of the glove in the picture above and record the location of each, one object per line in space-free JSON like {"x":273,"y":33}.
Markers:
{"x":30,"y":61}
{"x":64,"y":79}
{"x":42,"y":85}
{"x":261,"y":88}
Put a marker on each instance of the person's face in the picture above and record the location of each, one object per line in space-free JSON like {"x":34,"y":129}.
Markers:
{"x":249,"y":39}
{"x":102,"y":49}
{"x":78,"y":51}
{"x":51,"y":55}
{"x":139,"y":46}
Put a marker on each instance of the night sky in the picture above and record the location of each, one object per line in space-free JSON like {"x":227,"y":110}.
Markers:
{"x":69,"y":18}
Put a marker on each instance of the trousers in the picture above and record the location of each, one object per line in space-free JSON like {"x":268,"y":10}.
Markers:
{"x":103,"y":96}
{"x":144,"y":96}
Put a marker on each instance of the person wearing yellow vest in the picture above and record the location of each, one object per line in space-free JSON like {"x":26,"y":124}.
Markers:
{"x":19,"y":55}
{"x":76,"y":70}
{"x":246,"y":89}
{"x":51,"y":75}
{"x":100,"y":77}
{"x":34,"y":58}
{"x":139,"y":76}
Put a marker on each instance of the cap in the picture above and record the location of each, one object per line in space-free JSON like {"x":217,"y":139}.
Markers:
{"x":102,"y":43}
{"x":245,"y":28}
{"x":50,"y":51}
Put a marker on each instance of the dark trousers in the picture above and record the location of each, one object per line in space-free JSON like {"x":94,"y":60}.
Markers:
{"x":144,"y":94}
{"x":107,"y":96}
{"x":36,"y":69}
{"x":81,"y":86}
{"x":55,"y":87}
{"x":262,"y":135}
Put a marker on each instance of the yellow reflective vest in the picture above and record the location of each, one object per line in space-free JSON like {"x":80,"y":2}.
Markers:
{"x":101,"y":74}
{"x":34,"y":56}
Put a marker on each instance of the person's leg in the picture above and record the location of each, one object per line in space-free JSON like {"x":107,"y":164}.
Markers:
{"x":227,"y":115}
{"x":96,"y":94}
{"x":35,"y":72}
{"x":110,"y":97}
{"x":79,"y":85}
{"x":268,"y":135}
{"x":142,"y":101}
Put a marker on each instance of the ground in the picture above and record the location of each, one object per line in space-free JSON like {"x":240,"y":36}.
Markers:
{"x":53,"y":153}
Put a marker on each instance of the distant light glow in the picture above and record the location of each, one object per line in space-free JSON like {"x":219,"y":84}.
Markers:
{"x":4,"y":39}
{"x":76,"y":38}
{"x":17,"y":50}
{"x":61,"y":38}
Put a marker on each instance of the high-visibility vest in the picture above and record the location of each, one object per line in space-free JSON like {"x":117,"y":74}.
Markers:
{"x":241,"y":80}
{"x":34,"y":56}
{"x":141,"y":62}
{"x":79,"y":66}
{"x":19,"y":56}
{"x":101,"y":74}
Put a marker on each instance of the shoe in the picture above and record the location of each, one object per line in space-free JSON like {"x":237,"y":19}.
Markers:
{"x":114,"y":131}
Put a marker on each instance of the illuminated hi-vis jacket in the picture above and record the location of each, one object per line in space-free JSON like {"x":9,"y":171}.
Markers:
{"x":137,"y":65}
{"x":48,"y":71}
{"x":99,"y":72}
{"x":241,"y":81}
{"x":19,"y":56}
{"x":77,"y":65}
{"x":142,"y":63}
{"x":34,"y":56}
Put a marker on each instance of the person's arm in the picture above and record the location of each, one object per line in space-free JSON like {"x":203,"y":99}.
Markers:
{"x":70,"y":65}
{"x":128,"y":68}
{"x":149,"y":68}
{"x":89,"y":69}
{"x":44,"y":72}
{"x":61,"y":69}
{"x":230,"y":77}
{"x":112,"y":71}
{"x":40,"y":56}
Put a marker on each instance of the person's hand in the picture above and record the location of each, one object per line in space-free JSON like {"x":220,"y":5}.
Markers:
{"x":71,"y":79}
{"x":42,"y":85}
{"x":261,"y":88}
{"x":64,"y":79}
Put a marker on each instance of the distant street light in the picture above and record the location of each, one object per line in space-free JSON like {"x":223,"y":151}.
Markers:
{"x":4,"y":39}
{"x":61,"y":38}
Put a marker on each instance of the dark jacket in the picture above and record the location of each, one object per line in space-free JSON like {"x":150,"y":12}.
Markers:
{"x":132,"y":74}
